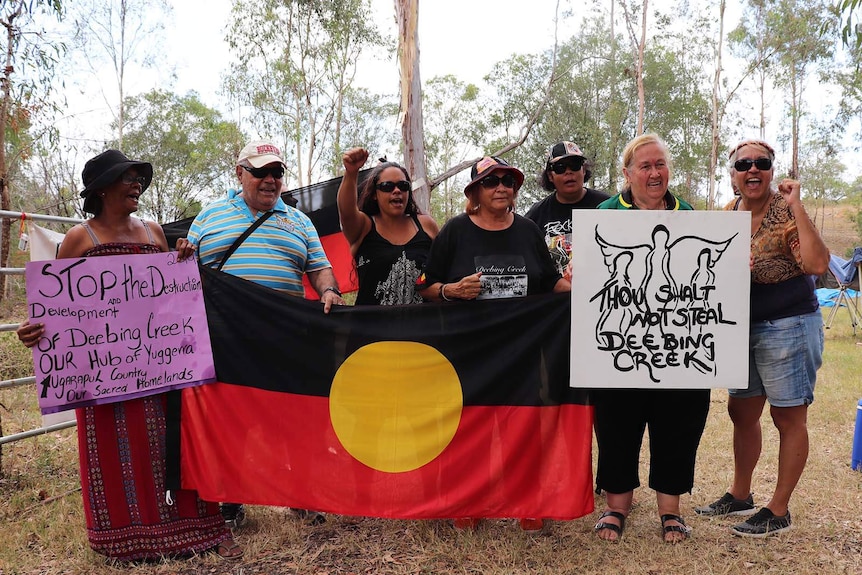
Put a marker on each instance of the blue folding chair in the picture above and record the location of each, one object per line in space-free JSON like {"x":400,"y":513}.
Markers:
{"x":844,"y":272}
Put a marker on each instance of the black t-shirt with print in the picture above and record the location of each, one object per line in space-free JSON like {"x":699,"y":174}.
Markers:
{"x":555,"y":220}
{"x":514,"y":262}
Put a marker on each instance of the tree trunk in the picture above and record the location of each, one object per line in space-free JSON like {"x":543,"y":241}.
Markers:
{"x":412,"y":129}
{"x":716,"y":124}
{"x":795,"y":92}
{"x":5,"y":103}
{"x":640,"y":78}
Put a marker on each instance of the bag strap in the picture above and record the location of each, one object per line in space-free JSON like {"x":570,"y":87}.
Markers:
{"x":242,"y":238}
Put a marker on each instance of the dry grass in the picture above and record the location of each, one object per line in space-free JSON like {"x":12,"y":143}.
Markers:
{"x":837,"y":224}
{"x":49,"y":539}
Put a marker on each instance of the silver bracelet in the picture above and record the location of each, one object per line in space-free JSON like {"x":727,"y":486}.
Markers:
{"x":443,"y":292}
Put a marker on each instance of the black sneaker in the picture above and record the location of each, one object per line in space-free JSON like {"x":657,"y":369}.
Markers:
{"x":763,"y":524}
{"x":727,"y":504}
{"x":310,"y":517}
{"x":233,"y":514}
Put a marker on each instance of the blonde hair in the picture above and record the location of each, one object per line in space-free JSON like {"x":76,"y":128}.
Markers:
{"x":639,"y":142}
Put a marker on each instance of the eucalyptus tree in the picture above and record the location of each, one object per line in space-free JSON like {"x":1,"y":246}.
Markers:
{"x":29,"y":60}
{"x":452,"y":112}
{"x":192,"y":149}
{"x":677,"y":91}
{"x":50,"y":182}
{"x":801,"y":50}
{"x":294,"y":62}
{"x":789,"y":41}
{"x":821,"y":173}
{"x":592,"y":102}
{"x":119,"y":33}
{"x":850,"y":105}
{"x":370,"y":122}
{"x":850,"y":25}
{"x":753,"y":41}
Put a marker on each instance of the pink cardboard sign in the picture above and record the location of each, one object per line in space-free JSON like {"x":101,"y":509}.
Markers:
{"x":117,"y":328}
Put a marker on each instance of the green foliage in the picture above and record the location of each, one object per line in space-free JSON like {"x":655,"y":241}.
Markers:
{"x":192,"y":149}
{"x":848,"y":19}
{"x":453,"y":118}
{"x":298,"y":62}
{"x":592,"y":102}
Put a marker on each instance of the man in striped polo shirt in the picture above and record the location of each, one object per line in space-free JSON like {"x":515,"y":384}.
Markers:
{"x":275,"y":255}
{"x":283,"y":248}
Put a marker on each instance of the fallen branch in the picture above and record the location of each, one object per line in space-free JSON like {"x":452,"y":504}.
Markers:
{"x":49,"y":500}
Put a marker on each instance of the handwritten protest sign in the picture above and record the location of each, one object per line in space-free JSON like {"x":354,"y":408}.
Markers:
{"x":116,"y":328}
{"x":660,"y":299}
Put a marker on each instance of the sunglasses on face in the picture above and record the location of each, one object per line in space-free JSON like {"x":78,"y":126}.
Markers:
{"x":493,"y":181}
{"x":573,"y":164}
{"x":745,"y":165}
{"x":389,"y":187}
{"x":261,"y":173}
{"x":129,"y":179}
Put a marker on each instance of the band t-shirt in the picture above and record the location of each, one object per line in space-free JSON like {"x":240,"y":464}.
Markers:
{"x":514,"y":262}
{"x":555,"y":219}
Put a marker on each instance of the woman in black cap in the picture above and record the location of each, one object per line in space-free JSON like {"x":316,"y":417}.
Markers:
{"x":120,"y":445}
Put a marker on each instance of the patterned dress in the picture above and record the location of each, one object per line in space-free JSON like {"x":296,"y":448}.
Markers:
{"x":121,"y":448}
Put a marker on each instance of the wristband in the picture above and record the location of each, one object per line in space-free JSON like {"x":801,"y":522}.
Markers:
{"x":333,"y":289}
{"x":443,"y":293}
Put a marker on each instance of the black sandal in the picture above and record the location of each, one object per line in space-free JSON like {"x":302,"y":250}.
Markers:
{"x":681,"y":528}
{"x":618,"y":529}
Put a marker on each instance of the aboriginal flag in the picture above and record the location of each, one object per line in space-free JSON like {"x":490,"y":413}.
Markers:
{"x":423,"y":411}
{"x":318,"y":201}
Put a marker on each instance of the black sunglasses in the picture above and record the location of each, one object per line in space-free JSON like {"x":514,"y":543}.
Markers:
{"x":129,"y":180}
{"x":745,"y":165}
{"x":261,"y":173}
{"x":573,"y":164}
{"x":493,"y":181}
{"x":389,"y":187}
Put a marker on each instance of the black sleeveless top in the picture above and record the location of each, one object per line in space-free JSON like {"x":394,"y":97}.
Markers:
{"x":387,"y":273}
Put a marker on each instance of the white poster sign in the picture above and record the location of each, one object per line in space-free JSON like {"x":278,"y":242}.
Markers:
{"x":660,"y":299}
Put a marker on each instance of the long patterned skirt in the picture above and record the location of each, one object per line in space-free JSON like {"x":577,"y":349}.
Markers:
{"x":121,"y":448}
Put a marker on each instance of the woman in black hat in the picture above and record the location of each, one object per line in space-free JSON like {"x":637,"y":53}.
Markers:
{"x":490,"y":252}
{"x":475,"y":252}
{"x":120,"y":444}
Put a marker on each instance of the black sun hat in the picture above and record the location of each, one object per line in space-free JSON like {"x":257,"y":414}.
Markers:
{"x":105,"y":169}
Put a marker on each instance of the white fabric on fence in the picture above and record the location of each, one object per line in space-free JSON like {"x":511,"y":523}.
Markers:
{"x":43,"y":243}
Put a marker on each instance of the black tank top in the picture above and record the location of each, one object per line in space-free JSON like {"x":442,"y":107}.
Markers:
{"x":387,"y":273}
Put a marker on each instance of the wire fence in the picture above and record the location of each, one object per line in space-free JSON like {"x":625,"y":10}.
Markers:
{"x":11,"y":383}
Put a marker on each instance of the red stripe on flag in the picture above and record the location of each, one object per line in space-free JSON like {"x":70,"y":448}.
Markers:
{"x":338,"y":252}
{"x":271,"y":448}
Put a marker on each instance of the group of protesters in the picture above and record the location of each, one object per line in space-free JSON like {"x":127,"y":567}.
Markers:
{"x":402,"y":257}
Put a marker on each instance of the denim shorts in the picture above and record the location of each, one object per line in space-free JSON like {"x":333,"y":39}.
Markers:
{"x":784,"y":356}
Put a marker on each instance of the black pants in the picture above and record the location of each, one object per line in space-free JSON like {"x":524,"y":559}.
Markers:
{"x":676,"y":419}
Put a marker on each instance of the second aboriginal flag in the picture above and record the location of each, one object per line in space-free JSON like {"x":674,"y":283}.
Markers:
{"x":424,"y":411}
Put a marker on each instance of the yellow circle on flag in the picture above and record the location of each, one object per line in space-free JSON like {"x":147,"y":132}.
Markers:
{"x":395,"y":405}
